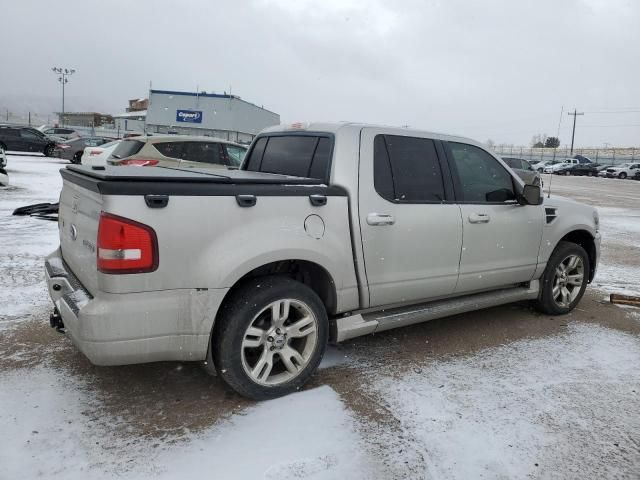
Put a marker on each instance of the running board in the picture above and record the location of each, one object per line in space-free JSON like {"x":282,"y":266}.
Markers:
{"x":364,"y":324}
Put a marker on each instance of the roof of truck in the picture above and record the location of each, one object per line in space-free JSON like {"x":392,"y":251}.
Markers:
{"x":335,"y":127}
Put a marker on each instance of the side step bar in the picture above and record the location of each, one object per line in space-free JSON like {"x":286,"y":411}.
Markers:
{"x":364,"y":324}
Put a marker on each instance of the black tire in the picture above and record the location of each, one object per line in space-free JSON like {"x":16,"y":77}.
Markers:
{"x":622,"y":175}
{"x":238,"y":314}
{"x":3,"y":147}
{"x":48,"y":150}
{"x":546,"y":302}
{"x":567,"y":173}
{"x":589,"y":174}
{"x":77,"y":158}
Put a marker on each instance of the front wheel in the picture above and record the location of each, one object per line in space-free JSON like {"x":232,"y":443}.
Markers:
{"x":622,"y":175}
{"x":77,"y":158}
{"x":567,"y":173}
{"x":270,"y":337}
{"x":564,"y":280}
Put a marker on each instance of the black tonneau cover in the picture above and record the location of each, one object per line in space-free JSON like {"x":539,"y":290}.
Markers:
{"x":130,"y":180}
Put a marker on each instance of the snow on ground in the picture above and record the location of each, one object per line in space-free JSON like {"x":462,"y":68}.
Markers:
{"x":620,"y":226}
{"x":25,"y":241}
{"x":45,"y":435}
{"x":526,"y":409}
{"x":561,"y":406}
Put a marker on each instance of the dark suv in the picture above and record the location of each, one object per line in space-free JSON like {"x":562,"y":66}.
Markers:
{"x":25,"y":139}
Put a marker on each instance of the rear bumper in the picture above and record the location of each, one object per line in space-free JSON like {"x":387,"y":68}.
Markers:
{"x":121,"y":329}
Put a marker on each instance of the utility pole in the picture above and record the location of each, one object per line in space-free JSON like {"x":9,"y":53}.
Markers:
{"x":575,"y":113}
{"x":63,"y":78}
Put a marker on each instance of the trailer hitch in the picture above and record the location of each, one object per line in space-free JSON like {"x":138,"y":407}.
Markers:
{"x":55,"y":320}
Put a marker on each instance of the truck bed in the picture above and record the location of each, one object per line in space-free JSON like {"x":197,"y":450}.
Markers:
{"x":173,"y":181}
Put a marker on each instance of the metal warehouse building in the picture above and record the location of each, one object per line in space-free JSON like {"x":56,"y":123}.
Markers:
{"x":223,"y":116}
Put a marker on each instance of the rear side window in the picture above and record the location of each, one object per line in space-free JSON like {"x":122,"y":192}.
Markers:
{"x":127,"y":148}
{"x":170,"y":149}
{"x":407,"y":170}
{"x":203,"y":152}
{"x":296,"y":155}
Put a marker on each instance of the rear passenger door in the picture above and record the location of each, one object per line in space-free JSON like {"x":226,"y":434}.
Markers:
{"x":411,"y":228}
{"x":501,"y":237}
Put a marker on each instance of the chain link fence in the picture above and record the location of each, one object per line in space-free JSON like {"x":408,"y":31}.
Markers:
{"x":610,"y":156}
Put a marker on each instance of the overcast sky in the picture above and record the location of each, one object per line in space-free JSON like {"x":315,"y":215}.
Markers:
{"x":491,"y":69}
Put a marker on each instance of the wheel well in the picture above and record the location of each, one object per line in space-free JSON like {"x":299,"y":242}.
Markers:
{"x":311,"y":274}
{"x":586,"y":241}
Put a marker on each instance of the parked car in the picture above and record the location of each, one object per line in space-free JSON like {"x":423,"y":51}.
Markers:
{"x":177,"y":150}
{"x":586,"y":169}
{"x":563,"y":163}
{"x":623,"y":171}
{"x":25,"y":139}
{"x":582,"y":159}
{"x":3,"y":158}
{"x":602,"y":171}
{"x":257,"y":268}
{"x":73,"y":149}
{"x":524,"y":170}
{"x":539,"y":166}
{"x":98,"y":155}
{"x":60,"y":132}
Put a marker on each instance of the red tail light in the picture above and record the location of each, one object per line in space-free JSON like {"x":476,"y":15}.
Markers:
{"x":94,"y":152}
{"x":63,"y":145}
{"x":140,"y":163}
{"x":126,"y":246}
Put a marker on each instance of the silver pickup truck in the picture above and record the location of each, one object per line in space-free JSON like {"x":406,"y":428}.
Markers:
{"x":326,"y":233}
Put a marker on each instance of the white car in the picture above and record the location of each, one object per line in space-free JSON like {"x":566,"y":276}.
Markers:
{"x":98,"y":155}
{"x":565,"y":162}
{"x":623,"y":171}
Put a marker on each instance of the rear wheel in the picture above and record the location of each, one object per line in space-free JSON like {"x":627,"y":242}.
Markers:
{"x":622,"y":175}
{"x":77,"y":158}
{"x":589,"y":174}
{"x":270,"y":337}
{"x":567,"y":173}
{"x":48,"y":150}
{"x":564,"y":280}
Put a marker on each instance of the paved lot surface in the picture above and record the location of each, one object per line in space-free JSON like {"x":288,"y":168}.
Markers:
{"x":500,"y":393}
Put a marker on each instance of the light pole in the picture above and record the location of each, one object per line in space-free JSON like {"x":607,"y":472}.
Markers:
{"x":575,"y":114}
{"x":63,"y":78}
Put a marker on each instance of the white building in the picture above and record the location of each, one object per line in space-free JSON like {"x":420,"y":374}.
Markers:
{"x":223,"y":116}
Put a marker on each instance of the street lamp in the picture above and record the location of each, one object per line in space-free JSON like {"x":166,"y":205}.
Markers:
{"x":63,"y":78}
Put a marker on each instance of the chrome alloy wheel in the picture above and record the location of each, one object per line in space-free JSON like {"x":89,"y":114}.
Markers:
{"x":568,"y":280}
{"x":279,"y":342}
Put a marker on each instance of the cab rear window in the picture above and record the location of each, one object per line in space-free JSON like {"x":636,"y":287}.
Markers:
{"x":296,"y":155}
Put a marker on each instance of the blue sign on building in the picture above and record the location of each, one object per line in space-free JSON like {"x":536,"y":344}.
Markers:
{"x":189,"y":116}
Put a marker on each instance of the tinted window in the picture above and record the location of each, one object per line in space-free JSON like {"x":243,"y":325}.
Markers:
{"x":170,"y":149}
{"x":204,"y":152}
{"x":29,"y":134}
{"x":253,"y":164}
{"x":9,"y":132}
{"x":288,"y":155}
{"x":406,"y":169}
{"x":297,"y":155}
{"x":235,"y":154}
{"x":127,"y":148}
{"x":482,"y":177}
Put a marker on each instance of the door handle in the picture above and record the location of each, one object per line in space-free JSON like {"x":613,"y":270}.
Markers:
{"x":479,"y":218}
{"x":380,"y":219}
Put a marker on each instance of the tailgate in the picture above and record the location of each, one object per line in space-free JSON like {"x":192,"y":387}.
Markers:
{"x":79,"y":216}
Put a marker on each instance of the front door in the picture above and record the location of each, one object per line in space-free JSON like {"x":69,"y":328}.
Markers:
{"x":501,"y":237}
{"x":411,"y":232}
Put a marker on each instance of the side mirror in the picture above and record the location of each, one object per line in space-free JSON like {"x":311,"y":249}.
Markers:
{"x":531,"y":195}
